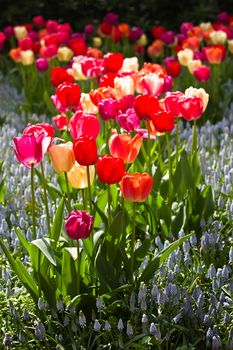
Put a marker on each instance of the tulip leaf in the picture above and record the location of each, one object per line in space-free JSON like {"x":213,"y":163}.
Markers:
{"x":68,"y":275}
{"x":58,"y":221}
{"x":20,"y":270}
{"x":156,"y":262}
{"x":73,"y":252}
{"x":100,"y":206}
{"x":23,"y":240}
{"x":49,"y":103}
{"x":2,"y":191}
{"x":183,"y":176}
{"x":43,"y":244}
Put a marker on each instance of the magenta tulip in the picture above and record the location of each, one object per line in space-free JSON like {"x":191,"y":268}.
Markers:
{"x":79,"y":224}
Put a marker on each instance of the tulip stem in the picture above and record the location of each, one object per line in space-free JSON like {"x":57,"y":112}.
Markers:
{"x":159,"y":153}
{"x":78,"y":268}
{"x":133,"y":237}
{"x":83,"y":198}
{"x":45,"y":198}
{"x":33,"y":203}
{"x":148,"y":148}
{"x":109,"y":207}
{"x":194,"y":138}
{"x":89,"y":188}
{"x":123,"y":218}
{"x":68,"y":192}
{"x":169,"y":168}
{"x":177,"y":140}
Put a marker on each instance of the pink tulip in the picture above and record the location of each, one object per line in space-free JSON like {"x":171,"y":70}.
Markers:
{"x":202,"y":73}
{"x":30,"y":149}
{"x":84,"y":124}
{"x":129,"y":120}
{"x":190,"y":107}
{"x":108,"y":109}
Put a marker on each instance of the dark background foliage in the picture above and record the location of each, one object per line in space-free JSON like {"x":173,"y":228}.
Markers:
{"x":145,"y":13}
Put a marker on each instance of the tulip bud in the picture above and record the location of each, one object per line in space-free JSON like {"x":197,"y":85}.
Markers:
{"x":184,"y":56}
{"x":20,"y":32}
{"x":136,"y":187}
{"x":85,"y":150}
{"x":77,"y":176}
{"x":64,"y":54}
{"x":110,"y":169}
{"x":27,"y":57}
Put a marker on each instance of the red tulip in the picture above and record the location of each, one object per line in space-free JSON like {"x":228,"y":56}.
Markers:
{"x":173,"y":67}
{"x":102,"y":93}
{"x":171,"y":102}
{"x":68,"y":94}
{"x":29,"y":148}
{"x":60,"y":121}
{"x":202,"y":73}
{"x":145,"y":106}
{"x":163,"y":121}
{"x":113,"y":62}
{"x":191,"y":107}
{"x":124,"y":147}
{"x":59,"y":75}
{"x":84,"y":124}
{"x":136,"y":187}
{"x":107,"y":80}
{"x":39,"y":21}
{"x":79,"y":224}
{"x":85,"y":150}
{"x":110,"y":169}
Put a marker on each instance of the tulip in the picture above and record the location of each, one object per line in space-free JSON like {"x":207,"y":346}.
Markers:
{"x":77,"y":176}
{"x":20,"y":32}
{"x":193,"y":64}
{"x":191,"y":107}
{"x":102,"y":93}
{"x":113,"y":62}
{"x":171,"y":102}
{"x":218,"y":37}
{"x":201,"y":93}
{"x":230,"y":45}
{"x":87,"y":105}
{"x":135,"y":33}
{"x":215,"y":54}
{"x":145,"y":106}
{"x":68,"y":94}
{"x":110,"y":169}
{"x":108,"y":109}
{"x":84,"y":124}
{"x":30,"y":148}
{"x":173,"y":67}
{"x":168,"y":37}
{"x":163,"y":121}
{"x":38,"y":128}
{"x":2,"y":40}
{"x":60,"y":121}
{"x":107,"y":80}
{"x":124,"y":147}
{"x":130,"y":65}
{"x":62,"y":157}
{"x":202,"y":73}
{"x":85,"y":150}
{"x":59,"y":75}
{"x":151,"y":84}
{"x":42,"y":64}
{"x":39,"y":21}
{"x":136,"y":187}
{"x":64,"y":54}
{"x":124,"y":86}
{"x":156,"y":49}
{"x":184,"y":56}
{"x":27,"y":57}
{"x":168,"y":84}
{"x":79,"y":224}
{"x":128,"y":120}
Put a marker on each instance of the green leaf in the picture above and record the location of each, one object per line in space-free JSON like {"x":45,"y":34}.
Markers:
{"x":49,"y":103}
{"x":155,"y":263}
{"x":23,"y":240}
{"x":100,"y":206}
{"x":183,"y":176}
{"x":2,"y":191}
{"x":44,"y":246}
{"x":68,"y":275}
{"x":20,"y":270}
{"x":58,"y":221}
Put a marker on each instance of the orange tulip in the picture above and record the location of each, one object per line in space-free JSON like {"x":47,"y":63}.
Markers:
{"x":62,"y":157}
{"x":214,"y":55}
{"x":136,"y":187}
{"x":124,"y":29}
{"x":15,"y":54}
{"x":124,"y":147}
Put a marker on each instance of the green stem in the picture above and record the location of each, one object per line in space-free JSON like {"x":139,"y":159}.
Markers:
{"x":78,"y":268}
{"x":169,"y":168}
{"x":83,"y":198}
{"x":177,"y":140}
{"x":68,"y":192}
{"x":109,"y":207}
{"x":89,"y":188}
{"x":133,"y":237}
{"x":45,"y":198}
{"x":148,"y":148}
{"x":123,"y":219}
{"x":159,"y":153}
{"x":33,"y":203}
{"x":194,"y":137}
